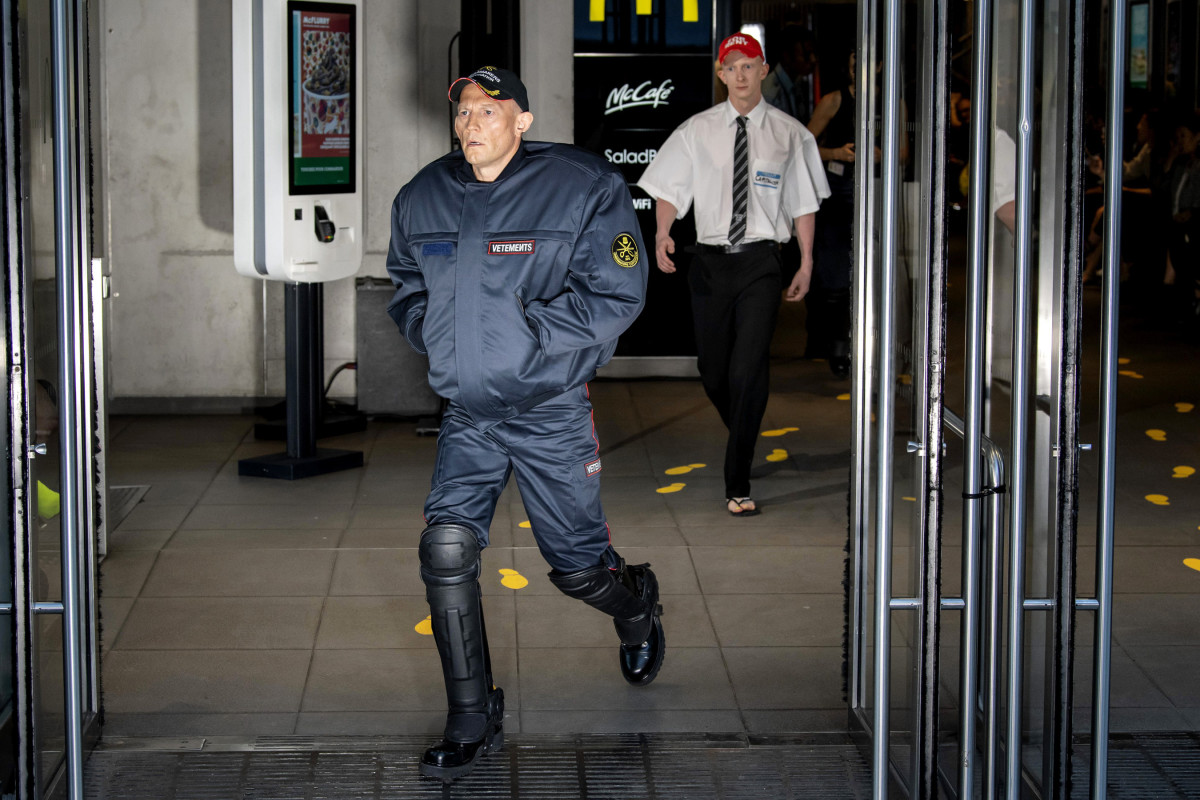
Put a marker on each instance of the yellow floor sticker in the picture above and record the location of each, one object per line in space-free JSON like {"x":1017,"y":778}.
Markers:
{"x":779,"y":431}
{"x":425,"y":627}
{"x":909,"y":499}
{"x":1128,"y":373}
{"x":1158,"y":499}
{"x":777,"y":454}
{"x":48,"y":501}
{"x":1157,"y":435}
{"x":525,"y":524}
{"x":1184,"y":408}
{"x":674,"y":487}
{"x":513,"y":579}
{"x":1184,"y":472}
{"x":684,"y":469}
{"x":1194,"y":563}
{"x":905,"y":380}
{"x":845,"y":396}
{"x":1122,"y":360}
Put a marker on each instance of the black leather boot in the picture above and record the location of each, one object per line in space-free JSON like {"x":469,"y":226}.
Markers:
{"x":475,"y":722}
{"x":640,"y":662}
{"x":629,"y":594}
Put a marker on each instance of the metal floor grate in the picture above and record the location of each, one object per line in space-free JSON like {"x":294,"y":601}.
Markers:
{"x":590,"y":767}
{"x":583,"y":767}
{"x":1145,"y":766}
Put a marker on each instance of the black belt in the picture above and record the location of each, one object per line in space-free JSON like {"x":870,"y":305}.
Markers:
{"x":728,"y":249}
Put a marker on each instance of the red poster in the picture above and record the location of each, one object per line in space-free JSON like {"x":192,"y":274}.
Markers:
{"x":324,"y":73}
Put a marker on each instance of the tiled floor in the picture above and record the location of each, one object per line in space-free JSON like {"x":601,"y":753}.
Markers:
{"x":250,"y":606}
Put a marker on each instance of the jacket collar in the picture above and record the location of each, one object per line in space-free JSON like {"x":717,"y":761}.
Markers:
{"x":466,"y":172}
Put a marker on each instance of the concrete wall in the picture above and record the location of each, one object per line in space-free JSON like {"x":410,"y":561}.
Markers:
{"x":185,"y":330}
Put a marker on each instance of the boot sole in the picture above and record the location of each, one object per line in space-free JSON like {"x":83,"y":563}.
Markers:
{"x":447,"y":774}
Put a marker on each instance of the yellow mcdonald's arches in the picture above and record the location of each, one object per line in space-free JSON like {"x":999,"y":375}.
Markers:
{"x":691,"y":9}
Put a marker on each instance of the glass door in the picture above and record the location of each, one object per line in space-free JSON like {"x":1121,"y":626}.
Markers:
{"x":49,"y":680}
{"x":963,"y":593}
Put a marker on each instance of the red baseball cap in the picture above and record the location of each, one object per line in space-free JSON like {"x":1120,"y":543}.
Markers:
{"x":744,"y":42}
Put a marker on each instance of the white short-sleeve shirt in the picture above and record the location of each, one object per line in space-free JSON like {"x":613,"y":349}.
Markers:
{"x":695,"y":164}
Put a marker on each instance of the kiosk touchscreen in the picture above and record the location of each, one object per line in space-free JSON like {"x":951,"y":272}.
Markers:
{"x":298,"y":209}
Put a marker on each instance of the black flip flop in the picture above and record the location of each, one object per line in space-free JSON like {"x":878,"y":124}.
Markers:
{"x":740,"y":503}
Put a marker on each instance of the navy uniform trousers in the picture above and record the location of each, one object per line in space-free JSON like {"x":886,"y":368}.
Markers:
{"x":735,"y":303}
{"x":553,"y":451}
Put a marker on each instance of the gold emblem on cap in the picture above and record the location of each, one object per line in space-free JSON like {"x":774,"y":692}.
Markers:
{"x":625,"y":251}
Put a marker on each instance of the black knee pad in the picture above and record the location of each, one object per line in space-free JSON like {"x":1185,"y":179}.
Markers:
{"x":449,"y":554}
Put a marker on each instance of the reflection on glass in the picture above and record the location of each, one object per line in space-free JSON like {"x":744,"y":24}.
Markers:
{"x":45,"y":477}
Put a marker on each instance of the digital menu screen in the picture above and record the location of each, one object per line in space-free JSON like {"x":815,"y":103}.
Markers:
{"x":321,"y":97}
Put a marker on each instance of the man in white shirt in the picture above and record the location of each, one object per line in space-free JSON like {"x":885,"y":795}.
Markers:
{"x":755,"y":175}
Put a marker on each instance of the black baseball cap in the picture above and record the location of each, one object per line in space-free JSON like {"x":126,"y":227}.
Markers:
{"x":494,"y":82}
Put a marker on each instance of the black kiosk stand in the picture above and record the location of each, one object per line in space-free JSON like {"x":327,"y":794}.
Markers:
{"x":275,"y":430}
{"x":303,"y":459}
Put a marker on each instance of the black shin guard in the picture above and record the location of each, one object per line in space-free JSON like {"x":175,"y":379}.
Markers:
{"x":629,"y":594}
{"x":450,"y":569}
{"x":611,"y":591}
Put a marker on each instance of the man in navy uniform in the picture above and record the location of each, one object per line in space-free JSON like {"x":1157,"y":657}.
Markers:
{"x":516,"y":265}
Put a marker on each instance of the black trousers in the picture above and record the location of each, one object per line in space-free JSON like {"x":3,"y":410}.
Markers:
{"x":735,"y":304}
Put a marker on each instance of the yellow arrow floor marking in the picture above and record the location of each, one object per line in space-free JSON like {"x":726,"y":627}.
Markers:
{"x":1184,"y":472}
{"x":778,"y":454}
{"x":1128,"y":373}
{"x":1157,"y":435}
{"x":684,"y":469}
{"x":779,"y":431}
{"x":674,"y":487}
{"x":1194,"y":563}
{"x":1158,"y":499}
{"x":425,"y":627}
{"x":1184,"y":408}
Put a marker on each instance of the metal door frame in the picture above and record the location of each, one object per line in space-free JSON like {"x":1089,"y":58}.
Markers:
{"x":80,"y":408}
{"x":994,"y":601}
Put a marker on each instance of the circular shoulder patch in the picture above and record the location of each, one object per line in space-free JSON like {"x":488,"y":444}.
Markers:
{"x":625,"y":250}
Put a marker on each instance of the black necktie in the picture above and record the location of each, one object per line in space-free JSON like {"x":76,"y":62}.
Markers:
{"x":741,"y":183}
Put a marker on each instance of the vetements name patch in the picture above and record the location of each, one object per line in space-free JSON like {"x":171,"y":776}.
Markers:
{"x":592,"y":468}
{"x":517,"y":248}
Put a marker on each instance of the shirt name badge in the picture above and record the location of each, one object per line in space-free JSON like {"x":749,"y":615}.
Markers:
{"x":767,"y":180}
{"x":517,"y":248}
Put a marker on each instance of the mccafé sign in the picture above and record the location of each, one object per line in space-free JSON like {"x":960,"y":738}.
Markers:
{"x":645,"y":94}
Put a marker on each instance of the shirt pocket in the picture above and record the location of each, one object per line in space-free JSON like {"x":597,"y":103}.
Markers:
{"x":767,"y":176}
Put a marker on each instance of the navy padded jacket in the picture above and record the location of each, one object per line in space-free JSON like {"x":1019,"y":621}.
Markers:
{"x":516,"y":289}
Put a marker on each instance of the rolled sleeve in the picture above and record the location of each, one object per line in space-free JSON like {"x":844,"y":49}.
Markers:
{"x":807,"y":185}
{"x":669,"y":176}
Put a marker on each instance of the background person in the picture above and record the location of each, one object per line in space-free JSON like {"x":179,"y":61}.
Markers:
{"x":749,"y":196}
{"x":827,"y":321}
